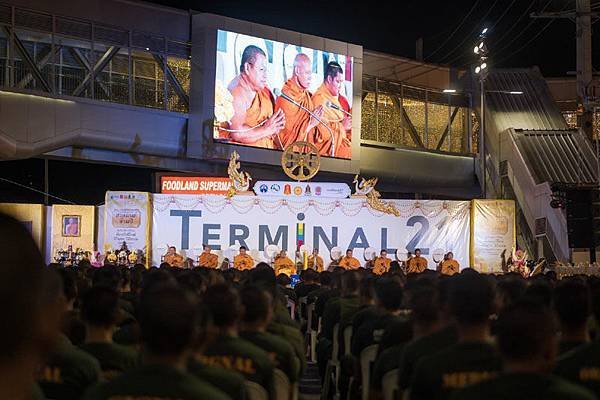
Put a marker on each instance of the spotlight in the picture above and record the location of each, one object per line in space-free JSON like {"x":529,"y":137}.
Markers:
{"x":481,"y":45}
{"x":483,"y":66}
{"x":477,"y":69}
{"x":484,"y":31}
{"x":449,"y":90}
{"x":476,"y":50}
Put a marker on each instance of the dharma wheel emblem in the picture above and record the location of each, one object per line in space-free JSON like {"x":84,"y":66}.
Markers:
{"x":301,"y":161}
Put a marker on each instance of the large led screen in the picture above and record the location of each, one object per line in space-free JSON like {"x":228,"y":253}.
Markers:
{"x":270,"y":94}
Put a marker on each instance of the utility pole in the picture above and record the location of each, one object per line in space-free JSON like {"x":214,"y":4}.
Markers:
{"x":583,"y":22}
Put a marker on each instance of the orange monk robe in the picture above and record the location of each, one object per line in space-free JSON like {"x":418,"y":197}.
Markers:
{"x":297,"y":119}
{"x":243,"y":262}
{"x":382,"y":265}
{"x":334,"y":119}
{"x":315,"y":262}
{"x":260,"y":109}
{"x":175,"y":260}
{"x":450,"y":267}
{"x":349,"y":263}
{"x":416,"y":264}
{"x":208,"y":260}
{"x":283,"y":265}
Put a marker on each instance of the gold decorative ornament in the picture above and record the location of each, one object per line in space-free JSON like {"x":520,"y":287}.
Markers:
{"x":241,"y":179}
{"x":366,"y":188}
{"x":301,"y":161}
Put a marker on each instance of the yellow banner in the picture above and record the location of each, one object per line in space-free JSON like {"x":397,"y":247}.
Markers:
{"x":493,"y":233}
{"x":73,"y":225}
{"x":32,"y":216}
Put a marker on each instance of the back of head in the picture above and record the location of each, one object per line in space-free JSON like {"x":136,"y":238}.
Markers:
{"x":389,"y":294}
{"x":223,"y":303}
{"x":471,"y":298}
{"x":100,"y":306}
{"x":572,"y":302}
{"x":257,"y":304}
{"x":526,"y":331}
{"x":350,"y":282}
{"x":423,"y":300}
{"x":168,"y":318}
{"x":367,"y":290}
{"x":69,"y":283}
{"x":325,"y":278}
{"x":511,"y":288}
{"x":264,"y":276}
{"x":310,"y":276}
{"x":283,"y":280}
{"x":539,"y":290}
{"x":107,"y":276}
{"x":27,"y":291}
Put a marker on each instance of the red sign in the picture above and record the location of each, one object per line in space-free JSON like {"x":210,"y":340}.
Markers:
{"x":194,"y":185}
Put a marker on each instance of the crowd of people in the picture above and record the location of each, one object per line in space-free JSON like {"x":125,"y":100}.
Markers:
{"x":170,"y":333}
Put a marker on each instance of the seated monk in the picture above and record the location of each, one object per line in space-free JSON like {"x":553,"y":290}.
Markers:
{"x":449,"y":266}
{"x":284,"y":265}
{"x":315,"y":261}
{"x":174,"y":259}
{"x":243,"y":261}
{"x":253,"y":122}
{"x":349,"y":262}
{"x":340,"y":124}
{"x":208,"y":259}
{"x":416,"y":264}
{"x":299,"y":124}
{"x":382,"y":263}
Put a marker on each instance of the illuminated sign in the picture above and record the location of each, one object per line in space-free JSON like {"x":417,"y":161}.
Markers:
{"x":194,"y":185}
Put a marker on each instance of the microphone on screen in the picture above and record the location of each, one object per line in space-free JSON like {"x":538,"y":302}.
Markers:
{"x":336,"y":107}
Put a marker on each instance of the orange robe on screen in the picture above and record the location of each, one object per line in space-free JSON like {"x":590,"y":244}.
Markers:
{"x":315,"y":262}
{"x":243,"y":262}
{"x":450,"y":267}
{"x":283,"y":265}
{"x":416,"y":264}
{"x":382,"y":265}
{"x":208,"y":260}
{"x":260,"y":109}
{"x":296,"y":119}
{"x":334,"y":119}
{"x":349,"y":263}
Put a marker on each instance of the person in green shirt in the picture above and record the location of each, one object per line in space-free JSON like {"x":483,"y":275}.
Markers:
{"x":582,"y":364}
{"x":432,"y":327}
{"x":572,"y":306}
{"x":32,"y":307}
{"x":388,"y":297}
{"x":527,"y":342}
{"x":258,"y":311}
{"x":227,"y":380}
{"x":228,"y":350}
{"x":168,"y":319}
{"x":473,"y":358}
{"x":100,"y":312}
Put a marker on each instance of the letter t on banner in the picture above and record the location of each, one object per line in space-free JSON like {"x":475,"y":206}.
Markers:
{"x":185,"y":225}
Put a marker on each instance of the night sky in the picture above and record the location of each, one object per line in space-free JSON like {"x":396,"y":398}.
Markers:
{"x":448,"y":27}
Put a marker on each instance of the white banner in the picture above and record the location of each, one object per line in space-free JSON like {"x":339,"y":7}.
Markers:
{"x":335,"y":190}
{"x":126,"y":220}
{"x":188,"y":221}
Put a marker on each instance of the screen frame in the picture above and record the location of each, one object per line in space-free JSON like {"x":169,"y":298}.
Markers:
{"x":200,"y":143}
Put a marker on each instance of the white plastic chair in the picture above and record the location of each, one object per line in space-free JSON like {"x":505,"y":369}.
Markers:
{"x":389,"y":384}
{"x":255,"y":392}
{"x":367,"y":357}
{"x":281,"y":384}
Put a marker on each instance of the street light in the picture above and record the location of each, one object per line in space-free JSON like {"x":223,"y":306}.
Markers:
{"x":481,"y":69}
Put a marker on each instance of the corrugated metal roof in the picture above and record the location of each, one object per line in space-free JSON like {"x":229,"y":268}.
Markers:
{"x":534,"y":109}
{"x":557,"y":156}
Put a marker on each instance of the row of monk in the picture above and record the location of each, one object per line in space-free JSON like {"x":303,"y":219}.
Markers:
{"x":284,"y":265}
{"x":323,"y":118}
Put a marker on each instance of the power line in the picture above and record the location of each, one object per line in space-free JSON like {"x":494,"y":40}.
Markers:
{"x":455,"y":30}
{"x":35,"y":190}
{"x":526,"y":12}
{"x":470,"y":35}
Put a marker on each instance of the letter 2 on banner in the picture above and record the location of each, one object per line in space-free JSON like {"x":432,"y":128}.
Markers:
{"x":493,"y":231}
{"x":126,"y":220}
{"x":188,"y":221}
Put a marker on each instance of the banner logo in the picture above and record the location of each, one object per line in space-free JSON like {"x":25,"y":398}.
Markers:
{"x":194,"y":185}
{"x":335,"y":190}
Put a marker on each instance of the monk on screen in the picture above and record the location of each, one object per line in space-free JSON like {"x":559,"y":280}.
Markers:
{"x":339,"y":123}
{"x":254,"y":123}
{"x":299,"y":124}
